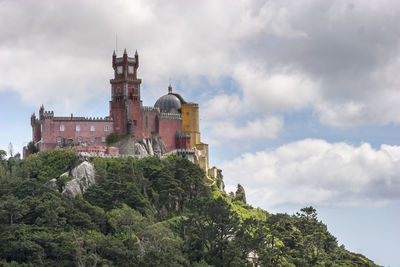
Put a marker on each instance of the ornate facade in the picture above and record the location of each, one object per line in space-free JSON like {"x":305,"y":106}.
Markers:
{"x":171,"y":118}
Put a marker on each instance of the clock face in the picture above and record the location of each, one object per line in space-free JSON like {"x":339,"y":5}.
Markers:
{"x":130,"y":69}
{"x":119,"y":69}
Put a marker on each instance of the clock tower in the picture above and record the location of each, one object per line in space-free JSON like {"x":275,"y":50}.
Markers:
{"x":125,"y":104}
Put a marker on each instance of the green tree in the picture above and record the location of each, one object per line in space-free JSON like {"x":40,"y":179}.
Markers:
{"x":11,"y":209}
{"x":210,"y":228}
{"x":32,"y":149}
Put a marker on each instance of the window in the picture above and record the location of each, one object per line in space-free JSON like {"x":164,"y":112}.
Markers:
{"x":103,"y":139}
{"x":134,"y":123}
{"x":106,"y":128}
{"x":187,"y":126}
{"x":117,"y":128}
{"x":92,"y":139}
{"x":133,"y":89}
{"x":62,"y":128}
{"x":187,"y":113}
{"x":118,"y":91}
{"x":92,"y":128}
{"x":77,"y":128}
{"x":146,"y":122}
{"x":130,"y":69}
{"x":59,"y":139}
{"x":79,"y":139}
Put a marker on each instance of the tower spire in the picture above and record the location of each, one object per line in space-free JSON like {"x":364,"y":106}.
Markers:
{"x":169,"y":89}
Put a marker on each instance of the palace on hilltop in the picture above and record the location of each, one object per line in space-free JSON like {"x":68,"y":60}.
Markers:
{"x":171,"y":126}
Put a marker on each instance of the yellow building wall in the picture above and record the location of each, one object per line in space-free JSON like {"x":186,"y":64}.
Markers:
{"x":190,"y":125}
{"x":190,"y":122}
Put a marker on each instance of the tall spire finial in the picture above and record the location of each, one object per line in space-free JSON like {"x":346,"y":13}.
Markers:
{"x":136,"y":53}
{"x":116,"y":42}
{"x":169,"y":89}
{"x":125,"y":51}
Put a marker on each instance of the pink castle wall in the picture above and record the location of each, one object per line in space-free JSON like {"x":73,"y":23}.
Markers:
{"x":182,"y":142}
{"x":151,"y":126}
{"x":167,"y":131}
{"x":52,"y":131}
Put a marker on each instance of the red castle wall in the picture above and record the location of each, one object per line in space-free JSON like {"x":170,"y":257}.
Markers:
{"x":182,"y":142}
{"x":117,"y":111}
{"x":167,"y":132}
{"x":52,"y":130}
{"x":149,"y":123}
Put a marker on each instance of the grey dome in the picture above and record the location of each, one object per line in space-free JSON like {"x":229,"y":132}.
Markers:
{"x":168,"y":103}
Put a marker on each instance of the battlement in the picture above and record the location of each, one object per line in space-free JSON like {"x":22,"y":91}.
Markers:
{"x":184,"y":153}
{"x":150,"y":109}
{"x":180,"y":152}
{"x":121,"y":60}
{"x":105,"y":119}
{"x":191,"y":104}
{"x":48,"y":114}
{"x":182,"y":135}
{"x":169,"y":116}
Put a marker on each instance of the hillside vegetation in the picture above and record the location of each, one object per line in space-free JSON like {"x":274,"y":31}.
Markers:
{"x":148,"y":212}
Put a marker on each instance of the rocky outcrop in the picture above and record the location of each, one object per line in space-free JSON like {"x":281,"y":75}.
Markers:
{"x":150,"y":147}
{"x":240,"y":194}
{"x":126,"y":146}
{"x":84,"y":175}
{"x":145,"y":147}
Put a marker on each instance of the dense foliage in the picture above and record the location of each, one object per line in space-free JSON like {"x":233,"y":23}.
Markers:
{"x":148,"y":212}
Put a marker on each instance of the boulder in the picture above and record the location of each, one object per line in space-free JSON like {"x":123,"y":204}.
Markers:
{"x":84,"y":175}
{"x":240,"y":194}
{"x":53,"y":183}
{"x":140,"y":150}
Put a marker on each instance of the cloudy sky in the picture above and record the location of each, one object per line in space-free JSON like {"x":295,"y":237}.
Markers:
{"x":299,"y":100}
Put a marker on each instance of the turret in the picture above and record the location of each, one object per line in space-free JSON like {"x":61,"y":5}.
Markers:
{"x":114,"y":57}
{"x":33,"y":119}
{"x":125,"y":94}
{"x":41,"y":111}
{"x":125,"y":56}
{"x":137,"y":59}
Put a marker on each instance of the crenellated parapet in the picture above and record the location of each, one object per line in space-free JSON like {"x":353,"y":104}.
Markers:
{"x":83,"y":119}
{"x":150,"y":109}
{"x":182,"y":135}
{"x":48,"y":114}
{"x":170,"y":116}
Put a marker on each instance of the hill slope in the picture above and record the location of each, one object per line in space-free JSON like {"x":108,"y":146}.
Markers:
{"x":148,"y":212}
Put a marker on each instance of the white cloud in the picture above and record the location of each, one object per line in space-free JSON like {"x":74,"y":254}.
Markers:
{"x":315,"y":172}
{"x":282,"y":90}
{"x":223,"y":106}
{"x":266,"y":128}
